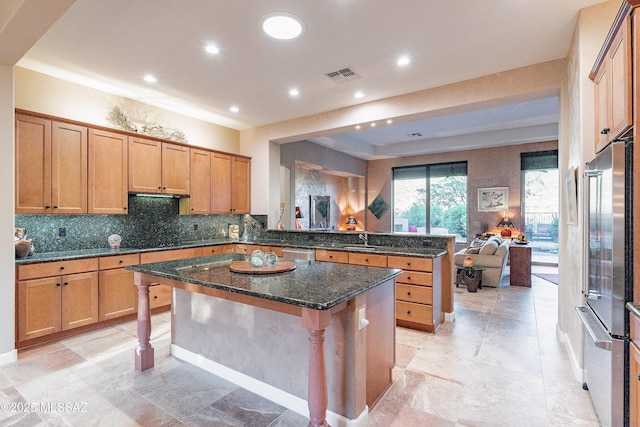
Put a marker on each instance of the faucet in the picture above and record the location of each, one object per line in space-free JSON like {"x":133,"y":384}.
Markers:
{"x":364,"y":237}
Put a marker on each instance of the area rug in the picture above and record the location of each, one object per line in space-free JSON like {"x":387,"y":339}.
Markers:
{"x":553,"y":278}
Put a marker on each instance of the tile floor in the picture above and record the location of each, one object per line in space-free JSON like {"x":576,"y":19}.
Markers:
{"x":498,"y":364}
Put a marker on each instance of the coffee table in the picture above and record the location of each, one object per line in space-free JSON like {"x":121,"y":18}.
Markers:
{"x":471,"y":277}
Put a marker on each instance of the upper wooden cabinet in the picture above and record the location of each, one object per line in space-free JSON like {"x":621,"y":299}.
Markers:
{"x":230,"y":184}
{"x":158,"y":167}
{"x":51,"y":166}
{"x":613,"y":86}
{"x":199,"y":201}
{"x":107,"y":188}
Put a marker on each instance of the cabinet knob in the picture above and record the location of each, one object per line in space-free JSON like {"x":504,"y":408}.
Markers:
{"x":408,"y":277}
{"x":408,"y":311}
{"x":57,"y":284}
{"x":408,"y":293}
{"x":62,"y":267}
{"x":55,"y":207}
{"x":66,"y":283}
{"x":155,"y":297}
{"x":47,"y":207}
{"x":125,"y":208}
{"x":408,"y":264}
{"x":605,"y":131}
{"x":160,"y":188}
{"x":164,"y":188}
{"x":366,"y":260}
{"x":121,"y":261}
{"x":330,"y":256}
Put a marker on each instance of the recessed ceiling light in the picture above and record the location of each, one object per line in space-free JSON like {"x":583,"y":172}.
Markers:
{"x":234,"y":109}
{"x":150,"y":78}
{"x":212,"y":49}
{"x":358,"y":95}
{"x":373,"y":124}
{"x":358,"y":127}
{"x":283,"y":25}
{"x":389,"y":121}
{"x":294,"y":92}
{"x":403,"y":60}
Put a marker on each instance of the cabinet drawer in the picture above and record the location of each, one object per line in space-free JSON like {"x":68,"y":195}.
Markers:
{"x":245,"y":249}
{"x":217,"y":250}
{"x":417,"y":294}
{"x":332,"y":256}
{"x":275,"y":249}
{"x":57,"y":268}
{"x":410,"y":263}
{"x":416,"y":278}
{"x":412,"y":312}
{"x":170,"y":255}
{"x":119,"y":261}
{"x":368,"y":259}
{"x":159,"y":295}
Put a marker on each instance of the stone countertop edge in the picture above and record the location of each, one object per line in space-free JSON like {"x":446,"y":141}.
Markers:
{"x":99,"y":252}
{"x":634,"y":308}
{"x":312,"y":284}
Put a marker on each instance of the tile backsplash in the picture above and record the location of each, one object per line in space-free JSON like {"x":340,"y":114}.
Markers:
{"x":151,"y":222}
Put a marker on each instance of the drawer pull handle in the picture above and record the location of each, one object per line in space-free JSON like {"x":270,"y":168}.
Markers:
{"x":366,"y":260}
{"x":408,"y":277}
{"x":66,"y":283}
{"x":62,"y":267}
{"x":155,"y":297}
{"x":408,"y":293}
{"x":408,"y":311}
{"x":605,"y":131}
{"x":408,"y":264}
{"x":121,"y":261}
{"x":57,"y":284}
{"x":330,"y":256}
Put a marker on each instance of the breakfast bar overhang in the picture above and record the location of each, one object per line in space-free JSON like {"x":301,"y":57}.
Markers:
{"x":247,"y":323}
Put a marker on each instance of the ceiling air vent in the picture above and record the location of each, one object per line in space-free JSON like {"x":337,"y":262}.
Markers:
{"x":344,"y":75}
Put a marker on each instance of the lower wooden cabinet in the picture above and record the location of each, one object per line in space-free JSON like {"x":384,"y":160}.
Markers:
{"x":55,"y":304}
{"x":118,"y":294}
{"x":332,"y":256}
{"x":634,"y":385}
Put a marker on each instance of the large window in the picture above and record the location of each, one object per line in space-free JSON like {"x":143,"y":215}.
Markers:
{"x":430,"y":199}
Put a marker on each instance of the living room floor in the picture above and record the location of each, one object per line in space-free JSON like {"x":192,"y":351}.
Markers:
{"x":498,"y":364}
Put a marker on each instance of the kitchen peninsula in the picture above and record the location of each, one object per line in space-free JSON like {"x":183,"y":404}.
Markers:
{"x":252,"y":327}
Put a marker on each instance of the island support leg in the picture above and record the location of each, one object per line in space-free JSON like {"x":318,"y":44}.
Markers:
{"x":144,"y":357}
{"x":316,"y":321}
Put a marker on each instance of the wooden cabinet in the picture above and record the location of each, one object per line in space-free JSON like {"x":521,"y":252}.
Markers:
{"x":51,"y":166}
{"x":230,"y":184}
{"x":218,"y":249}
{"x":108,"y":173}
{"x":199,"y":200}
{"x":160,"y":295}
{"x":118,"y":294}
{"x":158,"y":167}
{"x":634,"y":385}
{"x":49,"y":302}
{"x":418,"y":292}
{"x":613,"y":87}
{"x":373,"y":260}
{"x":332,"y":256}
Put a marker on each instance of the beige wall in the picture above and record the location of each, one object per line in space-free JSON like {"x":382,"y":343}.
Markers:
{"x":48,"y":95}
{"x":504,"y":171}
{"x":577,"y":111}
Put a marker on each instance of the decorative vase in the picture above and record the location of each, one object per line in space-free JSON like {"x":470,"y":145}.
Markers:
{"x":468,"y":262}
{"x":271,"y":258}
{"x":257,"y":258}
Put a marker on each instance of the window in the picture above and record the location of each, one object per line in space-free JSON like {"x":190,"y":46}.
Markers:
{"x":430,"y":199}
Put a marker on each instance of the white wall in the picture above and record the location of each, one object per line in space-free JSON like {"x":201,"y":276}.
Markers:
{"x":7,"y":250}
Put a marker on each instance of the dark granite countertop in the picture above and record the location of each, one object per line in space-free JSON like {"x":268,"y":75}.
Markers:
{"x":88,"y":253}
{"x":315,"y":285}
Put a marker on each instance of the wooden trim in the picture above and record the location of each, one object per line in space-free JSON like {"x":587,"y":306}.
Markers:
{"x":623,"y":12}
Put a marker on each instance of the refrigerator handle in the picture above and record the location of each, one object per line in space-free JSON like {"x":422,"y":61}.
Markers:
{"x":596,"y":331}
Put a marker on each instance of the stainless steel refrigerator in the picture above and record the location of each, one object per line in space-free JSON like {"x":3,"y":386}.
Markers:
{"x":609,"y":283}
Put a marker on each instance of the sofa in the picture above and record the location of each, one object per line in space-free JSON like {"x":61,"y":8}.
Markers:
{"x":491,"y":254}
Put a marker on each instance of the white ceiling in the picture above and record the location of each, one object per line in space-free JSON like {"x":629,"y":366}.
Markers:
{"x":112,"y":44}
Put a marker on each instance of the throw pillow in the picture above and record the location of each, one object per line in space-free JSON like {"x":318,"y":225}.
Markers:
{"x":489,"y":248}
{"x":471,"y":250}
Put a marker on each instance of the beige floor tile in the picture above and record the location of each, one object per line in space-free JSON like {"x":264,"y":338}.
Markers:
{"x":389,"y":413}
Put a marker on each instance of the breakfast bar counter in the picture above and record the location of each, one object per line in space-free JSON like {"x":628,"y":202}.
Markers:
{"x":247,"y":326}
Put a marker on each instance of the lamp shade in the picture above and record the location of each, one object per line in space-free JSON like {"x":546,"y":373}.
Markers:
{"x":351,"y":222}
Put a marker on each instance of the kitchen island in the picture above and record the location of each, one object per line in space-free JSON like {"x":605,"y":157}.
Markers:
{"x":246,"y":328}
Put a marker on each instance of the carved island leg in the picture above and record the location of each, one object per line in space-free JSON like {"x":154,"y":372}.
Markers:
{"x":316,"y":322}
{"x":144,"y":358}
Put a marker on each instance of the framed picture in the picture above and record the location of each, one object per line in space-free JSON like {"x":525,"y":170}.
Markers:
{"x":493,"y":199}
{"x":572,"y":196}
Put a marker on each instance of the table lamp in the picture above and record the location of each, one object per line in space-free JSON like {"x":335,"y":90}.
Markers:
{"x":351,"y":223}
{"x":506,"y":225}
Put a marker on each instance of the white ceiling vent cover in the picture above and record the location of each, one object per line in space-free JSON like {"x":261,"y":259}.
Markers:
{"x":344,"y":75}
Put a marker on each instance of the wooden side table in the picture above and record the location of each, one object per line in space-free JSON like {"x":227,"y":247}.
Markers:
{"x":520,"y":261}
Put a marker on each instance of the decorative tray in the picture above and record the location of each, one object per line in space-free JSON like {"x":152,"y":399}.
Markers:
{"x":245,"y":267}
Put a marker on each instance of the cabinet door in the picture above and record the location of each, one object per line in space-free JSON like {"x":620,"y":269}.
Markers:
{"x":33,"y":165}
{"x":145,"y":165}
{"x":634,"y":385}
{"x":79,"y":300}
{"x":220,"y":183}
{"x":175,"y":169}
{"x":200,"y":195}
{"x":68,"y":168}
{"x":603,"y":128}
{"x":118,"y":295}
{"x":38,"y":307}
{"x":620,"y":75}
{"x":240,"y":186}
{"x":108,"y":181}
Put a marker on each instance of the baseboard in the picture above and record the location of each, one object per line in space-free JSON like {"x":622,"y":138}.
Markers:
{"x":578,"y":372}
{"x":450,"y":317}
{"x":8,"y":357}
{"x":288,"y":400}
